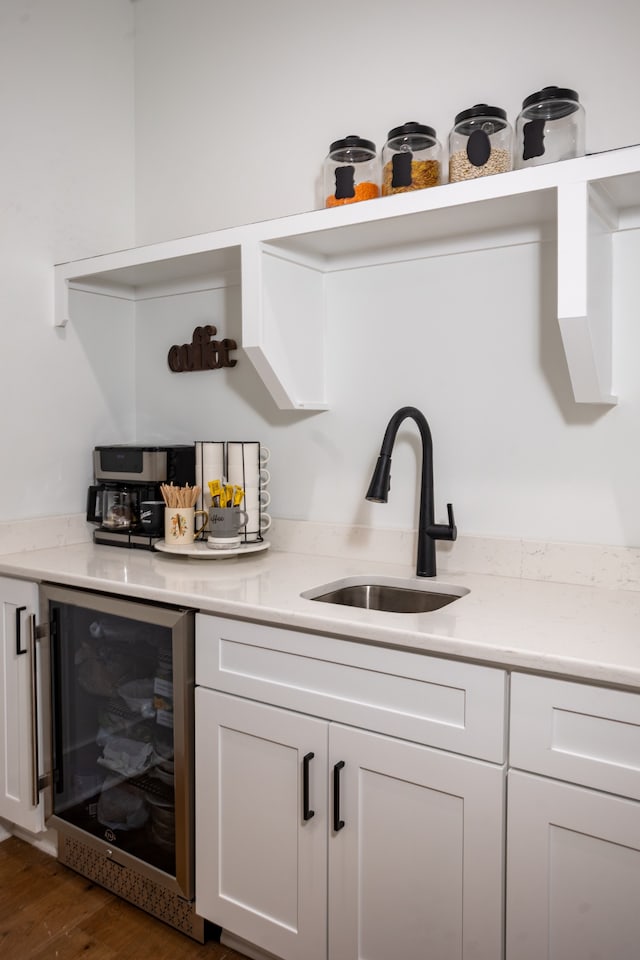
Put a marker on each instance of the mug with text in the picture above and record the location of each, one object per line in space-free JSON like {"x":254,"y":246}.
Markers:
{"x":152,"y":517}
{"x":225,"y":524}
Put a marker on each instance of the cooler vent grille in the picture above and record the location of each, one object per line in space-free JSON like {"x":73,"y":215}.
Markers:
{"x":132,"y":886}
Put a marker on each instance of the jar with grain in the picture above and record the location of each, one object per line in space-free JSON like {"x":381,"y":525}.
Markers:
{"x":480,"y":143}
{"x":411,"y":159}
{"x":549,"y":127}
{"x":351,"y":171}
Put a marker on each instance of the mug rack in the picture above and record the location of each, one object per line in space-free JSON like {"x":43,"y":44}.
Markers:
{"x":214,"y":461}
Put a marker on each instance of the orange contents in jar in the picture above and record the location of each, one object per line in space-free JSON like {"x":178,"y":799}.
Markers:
{"x":363,"y":191}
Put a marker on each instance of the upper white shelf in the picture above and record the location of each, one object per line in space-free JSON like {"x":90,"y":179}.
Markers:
{"x":281,"y":264}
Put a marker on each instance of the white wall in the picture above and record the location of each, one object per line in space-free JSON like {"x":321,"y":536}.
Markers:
{"x":236,"y":106}
{"x":66,"y":191}
{"x":471,"y":340}
{"x":237,"y":103}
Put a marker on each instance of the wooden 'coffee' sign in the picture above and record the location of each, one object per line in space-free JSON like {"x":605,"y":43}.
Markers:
{"x":202,"y":353}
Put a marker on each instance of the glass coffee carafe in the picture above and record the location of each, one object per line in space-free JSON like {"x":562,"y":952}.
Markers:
{"x":119,"y":509}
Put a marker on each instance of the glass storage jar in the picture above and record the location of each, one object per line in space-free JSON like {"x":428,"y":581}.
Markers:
{"x":351,"y":171}
{"x":411,"y":159}
{"x":549,"y":127}
{"x":480,"y":143}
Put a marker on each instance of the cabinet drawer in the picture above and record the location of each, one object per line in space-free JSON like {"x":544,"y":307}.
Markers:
{"x":443,"y":703}
{"x":575,"y":732}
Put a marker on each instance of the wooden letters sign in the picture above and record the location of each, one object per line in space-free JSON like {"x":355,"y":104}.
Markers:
{"x":202,"y":353}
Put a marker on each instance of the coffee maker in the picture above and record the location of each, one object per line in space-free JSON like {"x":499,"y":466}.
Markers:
{"x":126,"y":477}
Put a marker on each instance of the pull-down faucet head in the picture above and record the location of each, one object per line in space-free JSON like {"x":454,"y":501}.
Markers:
{"x":428,"y":531}
{"x":380,"y":485}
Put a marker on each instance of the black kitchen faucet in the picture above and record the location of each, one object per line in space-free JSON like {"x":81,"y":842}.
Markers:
{"x":428,"y":531}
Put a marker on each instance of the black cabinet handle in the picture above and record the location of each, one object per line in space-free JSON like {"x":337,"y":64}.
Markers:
{"x":338,"y":824}
{"x":19,"y":612}
{"x":307,"y":813}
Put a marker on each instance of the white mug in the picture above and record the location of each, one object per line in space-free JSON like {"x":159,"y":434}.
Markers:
{"x":179,"y":525}
{"x":257,"y":524}
{"x":245,"y":463}
{"x":255,"y":499}
{"x":209,"y":466}
{"x":265,"y":522}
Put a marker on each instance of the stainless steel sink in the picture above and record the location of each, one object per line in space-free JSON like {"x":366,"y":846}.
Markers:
{"x":392,"y":595}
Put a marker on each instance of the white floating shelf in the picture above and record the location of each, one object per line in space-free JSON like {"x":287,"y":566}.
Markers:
{"x":282,"y":264}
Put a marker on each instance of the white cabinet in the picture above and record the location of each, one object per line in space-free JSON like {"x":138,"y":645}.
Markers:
{"x":19,"y":797}
{"x":284,"y":266}
{"x":454,"y":706}
{"x":403,"y":854}
{"x":260,"y":866}
{"x":416,"y":871}
{"x":573,"y":872}
{"x":573,"y":852}
{"x":411,"y":838}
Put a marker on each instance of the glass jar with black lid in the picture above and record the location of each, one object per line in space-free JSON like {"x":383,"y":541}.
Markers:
{"x":550,"y":127}
{"x":480,"y":143}
{"x":351,"y":171}
{"x":411,"y":159}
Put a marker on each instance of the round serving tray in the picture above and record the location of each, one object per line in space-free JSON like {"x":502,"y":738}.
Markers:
{"x":200,"y":551}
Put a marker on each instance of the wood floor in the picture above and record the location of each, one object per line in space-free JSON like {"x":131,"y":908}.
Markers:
{"x":48,"y":912}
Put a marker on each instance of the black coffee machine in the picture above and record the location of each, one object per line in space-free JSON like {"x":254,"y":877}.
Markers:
{"x":127,"y":476}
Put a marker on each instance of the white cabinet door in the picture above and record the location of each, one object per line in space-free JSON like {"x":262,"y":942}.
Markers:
{"x":19,"y":799}
{"x":416,"y":871}
{"x":261,"y":867}
{"x":411,"y":839}
{"x":573,"y":872}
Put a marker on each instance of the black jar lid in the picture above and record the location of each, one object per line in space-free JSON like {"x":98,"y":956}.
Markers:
{"x":567,"y":101}
{"x":353,"y":148}
{"x":417,"y":136}
{"x":465,"y":120}
{"x":481,"y":110}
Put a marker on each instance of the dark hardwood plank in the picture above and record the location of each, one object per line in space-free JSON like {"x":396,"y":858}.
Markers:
{"x":73,"y":945}
{"x":29,"y":881}
{"x":135,"y":935}
{"x":41,"y":919}
{"x":47,"y":911}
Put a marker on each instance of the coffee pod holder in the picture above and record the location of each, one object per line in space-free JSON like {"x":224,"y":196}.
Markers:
{"x":242,"y":463}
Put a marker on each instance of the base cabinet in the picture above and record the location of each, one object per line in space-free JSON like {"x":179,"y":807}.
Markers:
{"x":573,"y":872}
{"x":416,"y":870}
{"x":19,"y":797}
{"x":573,"y":839}
{"x":400,"y":853}
{"x":260,"y":867}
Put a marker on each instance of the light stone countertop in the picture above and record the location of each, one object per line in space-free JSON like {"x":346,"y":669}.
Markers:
{"x":584,"y":632}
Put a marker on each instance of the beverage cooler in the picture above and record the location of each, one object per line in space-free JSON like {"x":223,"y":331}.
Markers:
{"x":121,"y":792}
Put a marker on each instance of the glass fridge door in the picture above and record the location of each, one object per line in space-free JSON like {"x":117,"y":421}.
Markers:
{"x":122,"y":695}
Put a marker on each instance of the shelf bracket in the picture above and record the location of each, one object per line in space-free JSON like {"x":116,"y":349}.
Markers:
{"x":61,"y":310}
{"x":585,"y":222}
{"x":283,"y":327}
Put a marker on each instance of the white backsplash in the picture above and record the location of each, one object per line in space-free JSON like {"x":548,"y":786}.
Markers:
{"x":16,"y":536}
{"x":587,"y":564}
